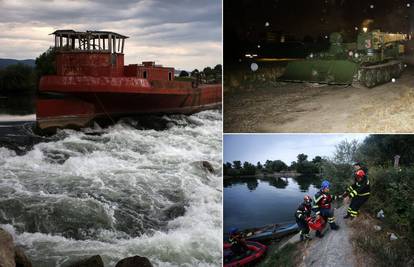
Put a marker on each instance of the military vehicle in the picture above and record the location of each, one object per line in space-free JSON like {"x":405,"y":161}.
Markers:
{"x":374,"y":59}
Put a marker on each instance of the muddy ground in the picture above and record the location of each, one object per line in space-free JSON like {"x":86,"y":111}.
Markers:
{"x":306,"y":108}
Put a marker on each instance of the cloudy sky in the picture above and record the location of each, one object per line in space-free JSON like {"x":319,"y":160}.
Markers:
{"x":185,"y":34}
{"x":286,"y":147}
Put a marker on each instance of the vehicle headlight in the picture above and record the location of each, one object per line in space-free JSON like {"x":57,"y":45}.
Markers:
{"x":356,"y":55}
{"x":350,"y":53}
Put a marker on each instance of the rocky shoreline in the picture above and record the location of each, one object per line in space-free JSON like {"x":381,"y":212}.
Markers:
{"x":13,"y":256}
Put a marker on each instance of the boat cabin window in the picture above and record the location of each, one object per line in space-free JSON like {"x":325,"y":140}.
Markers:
{"x":169,"y":76}
{"x":144,"y":74}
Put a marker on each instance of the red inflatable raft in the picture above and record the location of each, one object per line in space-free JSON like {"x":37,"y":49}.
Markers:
{"x":255,"y":252}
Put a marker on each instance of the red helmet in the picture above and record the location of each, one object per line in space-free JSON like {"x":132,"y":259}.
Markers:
{"x":307,"y":199}
{"x":360,"y":173}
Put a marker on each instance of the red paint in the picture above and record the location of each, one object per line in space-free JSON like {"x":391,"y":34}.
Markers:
{"x":94,"y":84}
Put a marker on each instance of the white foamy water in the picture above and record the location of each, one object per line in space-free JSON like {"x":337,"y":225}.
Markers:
{"x":14,"y":118}
{"x":121,"y":193}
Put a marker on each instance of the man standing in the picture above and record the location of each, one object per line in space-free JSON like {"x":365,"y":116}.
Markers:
{"x":322,"y":206}
{"x":359,"y":191}
{"x":302,"y":213}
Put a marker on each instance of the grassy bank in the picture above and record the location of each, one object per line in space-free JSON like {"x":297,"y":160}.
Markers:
{"x":391,"y":191}
{"x":288,"y":256}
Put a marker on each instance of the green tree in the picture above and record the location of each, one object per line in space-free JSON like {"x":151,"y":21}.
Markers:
{"x":302,"y":158}
{"x":195,"y":73}
{"x":259,"y":165}
{"x":17,"y":78}
{"x":345,"y":152}
{"x":227,"y":168}
{"x":183,"y":73}
{"x":237,"y":164}
{"x":381,"y":149}
{"x":248,"y":168}
{"x":46,"y":63}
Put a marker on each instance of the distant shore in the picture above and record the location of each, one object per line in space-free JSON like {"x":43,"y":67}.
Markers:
{"x":288,"y":174}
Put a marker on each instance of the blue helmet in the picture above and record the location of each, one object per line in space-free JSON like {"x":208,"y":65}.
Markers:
{"x":233,"y":230}
{"x":325,"y":184}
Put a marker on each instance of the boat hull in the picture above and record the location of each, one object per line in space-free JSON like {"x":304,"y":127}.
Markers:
{"x":78,"y":109}
{"x":270,"y":232}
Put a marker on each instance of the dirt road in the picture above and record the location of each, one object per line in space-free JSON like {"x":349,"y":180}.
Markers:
{"x":298,"y":107}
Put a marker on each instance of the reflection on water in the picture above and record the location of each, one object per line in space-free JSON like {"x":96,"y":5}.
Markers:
{"x":252,"y":184}
{"x":305,"y":182}
{"x":257,"y":201}
{"x":279,"y":182}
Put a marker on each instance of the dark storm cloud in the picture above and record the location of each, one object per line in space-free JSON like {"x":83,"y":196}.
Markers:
{"x":175,"y":25}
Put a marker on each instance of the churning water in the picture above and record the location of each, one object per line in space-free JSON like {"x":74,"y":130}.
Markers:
{"x":120,"y":192}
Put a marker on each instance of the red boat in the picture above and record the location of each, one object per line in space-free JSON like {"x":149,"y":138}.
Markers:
{"x":255,"y":252}
{"x":91,"y":82}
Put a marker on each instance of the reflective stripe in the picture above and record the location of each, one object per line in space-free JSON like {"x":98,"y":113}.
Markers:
{"x":353,"y":212}
{"x":317,"y":200}
{"x":364,"y":194}
{"x":353,"y":215}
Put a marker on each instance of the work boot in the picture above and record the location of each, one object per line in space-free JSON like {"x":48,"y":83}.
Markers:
{"x":334,"y":226}
{"x":307,"y":237}
{"x":347,"y":216}
{"x":319,"y":234}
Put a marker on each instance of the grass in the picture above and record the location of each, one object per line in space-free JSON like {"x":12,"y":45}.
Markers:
{"x":288,"y":256}
{"x":375,"y":246}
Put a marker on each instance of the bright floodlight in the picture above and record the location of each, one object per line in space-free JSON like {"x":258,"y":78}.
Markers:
{"x":365,"y":29}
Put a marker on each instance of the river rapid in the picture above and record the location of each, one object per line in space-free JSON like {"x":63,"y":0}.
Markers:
{"x":120,"y":191}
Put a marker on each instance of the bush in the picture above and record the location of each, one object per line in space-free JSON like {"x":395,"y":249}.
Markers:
{"x":392,"y":191}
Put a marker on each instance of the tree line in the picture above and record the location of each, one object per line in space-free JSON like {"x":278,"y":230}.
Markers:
{"x":302,"y":165}
{"x":207,"y":75}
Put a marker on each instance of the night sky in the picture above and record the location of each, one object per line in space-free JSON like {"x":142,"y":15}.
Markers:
{"x":251,"y":21}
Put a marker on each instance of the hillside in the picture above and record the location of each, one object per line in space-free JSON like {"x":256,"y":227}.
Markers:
{"x":4,"y":62}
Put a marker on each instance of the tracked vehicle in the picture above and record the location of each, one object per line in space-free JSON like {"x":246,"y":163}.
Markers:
{"x":374,"y":59}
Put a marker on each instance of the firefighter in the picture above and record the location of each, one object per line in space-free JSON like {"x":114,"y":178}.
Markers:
{"x":304,"y":211}
{"x":322,"y":206}
{"x":359,"y":191}
{"x":238,"y":245}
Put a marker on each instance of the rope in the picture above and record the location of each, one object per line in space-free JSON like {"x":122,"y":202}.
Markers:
{"x":103,"y":108}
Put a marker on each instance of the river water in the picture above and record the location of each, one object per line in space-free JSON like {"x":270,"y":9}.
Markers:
{"x":255,"y":202}
{"x":118,"y":192}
